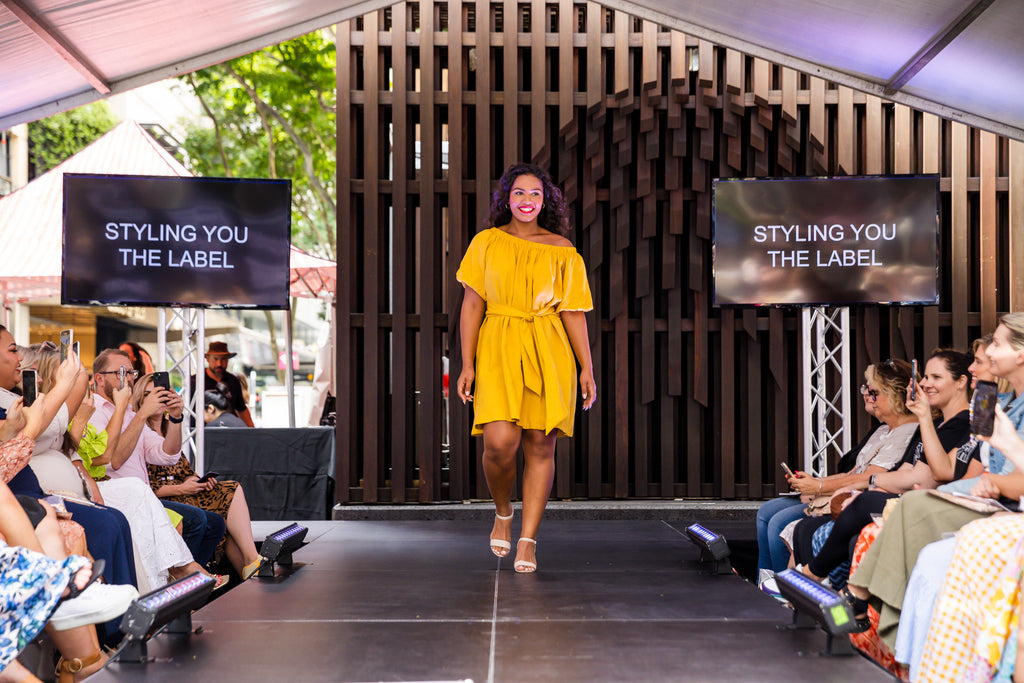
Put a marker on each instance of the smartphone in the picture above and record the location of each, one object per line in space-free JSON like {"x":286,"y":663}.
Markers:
{"x":77,"y":348}
{"x":122,"y":372}
{"x":913,"y":380}
{"x":162,"y":379}
{"x":786,"y":468}
{"x":58,"y":504}
{"x":983,"y":408}
{"x":208,"y":476}
{"x":67,"y":338}
{"x":28,"y":387}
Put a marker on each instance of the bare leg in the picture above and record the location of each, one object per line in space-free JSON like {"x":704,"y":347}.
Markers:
{"x":538,"y":475}
{"x":50,"y":536}
{"x":234,"y":554}
{"x":239,"y":527}
{"x":501,"y":442}
{"x":186,"y":570}
{"x":80,"y":643}
{"x":16,"y":673}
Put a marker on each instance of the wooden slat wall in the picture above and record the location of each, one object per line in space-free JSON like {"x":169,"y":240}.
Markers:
{"x":436,"y":98}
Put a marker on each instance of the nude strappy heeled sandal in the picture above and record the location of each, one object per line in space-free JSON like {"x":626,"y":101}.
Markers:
{"x":525,"y":566}
{"x":499,"y":546}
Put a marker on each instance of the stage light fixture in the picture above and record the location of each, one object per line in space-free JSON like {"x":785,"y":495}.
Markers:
{"x":168,"y":608}
{"x":279,"y":546}
{"x":713,"y":547}
{"x":815,"y":604}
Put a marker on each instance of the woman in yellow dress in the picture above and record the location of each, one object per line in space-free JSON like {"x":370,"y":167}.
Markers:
{"x":522,"y":321}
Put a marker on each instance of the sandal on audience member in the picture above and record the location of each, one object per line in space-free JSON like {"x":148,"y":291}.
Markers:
{"x":525,"y":566}
{"x":499,"y":546}
{"x":222,"y":580}
{"x":67,"y":668}
{"x":250,"y":570}
{"x":74,"y":591}
{"x":860,"y":610}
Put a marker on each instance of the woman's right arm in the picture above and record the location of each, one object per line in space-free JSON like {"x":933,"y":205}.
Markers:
{"x":473,"y":308}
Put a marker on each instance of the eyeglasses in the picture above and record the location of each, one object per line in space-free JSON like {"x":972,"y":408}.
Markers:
{"x":868,"y":393}
{"x":127,"y":373}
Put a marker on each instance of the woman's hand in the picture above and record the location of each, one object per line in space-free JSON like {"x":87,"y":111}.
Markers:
{"x":15,"y":421}
{"x":86,"y":409}
{"x":921,"y":406}
{"x":465,"y":384}
{"x":805,"y":484}
{"x":987,"y":486}
{"x":192,"y":486}
{"x":34,"y":416}
{"x":588,"y":388}
{"x":68,"y":371}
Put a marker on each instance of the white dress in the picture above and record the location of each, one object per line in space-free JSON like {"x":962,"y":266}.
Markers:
{"x":157,"y":543}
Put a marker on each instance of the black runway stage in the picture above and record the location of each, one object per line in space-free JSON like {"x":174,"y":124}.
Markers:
{"x":426,"y":601}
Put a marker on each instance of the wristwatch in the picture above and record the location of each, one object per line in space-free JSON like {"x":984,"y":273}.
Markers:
{"x":871,"y":480}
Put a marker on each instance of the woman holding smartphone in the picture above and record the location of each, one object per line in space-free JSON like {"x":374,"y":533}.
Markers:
{"x":180,"y":483}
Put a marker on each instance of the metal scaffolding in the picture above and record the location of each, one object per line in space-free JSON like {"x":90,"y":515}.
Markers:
{"x":824,"y":336}
{"x":188,"y":362}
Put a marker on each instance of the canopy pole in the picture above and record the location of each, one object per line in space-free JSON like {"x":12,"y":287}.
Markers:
{"x":289,"y":372}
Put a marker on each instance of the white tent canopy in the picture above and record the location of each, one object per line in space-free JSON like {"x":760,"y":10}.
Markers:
{"x":959,"y":59}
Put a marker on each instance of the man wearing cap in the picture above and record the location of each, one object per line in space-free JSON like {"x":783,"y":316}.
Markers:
{"x":217,"y":378}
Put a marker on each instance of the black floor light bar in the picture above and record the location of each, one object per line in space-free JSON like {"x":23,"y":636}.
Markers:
{"x":170,"y":606}
{"x":815,"y":604}
{"x":713,"y":547}
{"x":279,"y":546}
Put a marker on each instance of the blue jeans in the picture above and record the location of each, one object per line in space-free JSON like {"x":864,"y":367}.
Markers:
{"x":772,"y":518}
{"x":202,"y":530}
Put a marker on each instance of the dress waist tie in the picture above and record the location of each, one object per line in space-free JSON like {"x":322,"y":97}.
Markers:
{"x":532,"y":377}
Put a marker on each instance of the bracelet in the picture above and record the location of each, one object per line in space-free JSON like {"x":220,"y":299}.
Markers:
{"x":820,"y":482}
{"x":177,"y":421}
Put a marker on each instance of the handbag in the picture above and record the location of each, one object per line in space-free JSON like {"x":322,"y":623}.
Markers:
{"x":818,"y":506}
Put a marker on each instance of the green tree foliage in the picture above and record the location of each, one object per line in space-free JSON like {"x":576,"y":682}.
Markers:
{"x":271,"y":114}
{"x":61,"y":136}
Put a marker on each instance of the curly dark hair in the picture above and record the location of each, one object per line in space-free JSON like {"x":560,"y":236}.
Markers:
{"x":554,"y":214}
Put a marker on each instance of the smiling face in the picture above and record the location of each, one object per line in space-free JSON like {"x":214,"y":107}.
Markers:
{"x":10,"y":360}
{"x":1004,"y":359}
{"x":526,"y":198}
{"x":980,"y":368}
{"x":940,"y":385}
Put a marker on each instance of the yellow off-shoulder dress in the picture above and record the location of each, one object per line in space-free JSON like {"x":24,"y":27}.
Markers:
{"x":525,"y":366}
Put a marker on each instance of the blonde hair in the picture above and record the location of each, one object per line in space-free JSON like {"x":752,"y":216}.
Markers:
{"x":1014,"y":323}
{"x":892,"y":379}
{"x":46,"y":361}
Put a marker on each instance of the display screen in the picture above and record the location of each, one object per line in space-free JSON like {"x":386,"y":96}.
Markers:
{"x":165,"y":240}
{"x":813,"y":241}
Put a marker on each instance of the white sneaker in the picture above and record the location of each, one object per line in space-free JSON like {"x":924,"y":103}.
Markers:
{"x":97,"y":603}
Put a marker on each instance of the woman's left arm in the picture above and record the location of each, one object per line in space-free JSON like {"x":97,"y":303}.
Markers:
{"x":575,"y":323}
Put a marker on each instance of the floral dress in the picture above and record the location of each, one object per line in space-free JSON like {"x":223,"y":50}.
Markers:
{"x":218,"y":499}
{"x":30,"y":587}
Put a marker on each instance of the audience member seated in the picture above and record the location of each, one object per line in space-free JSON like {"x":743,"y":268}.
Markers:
{"x":217,"y":412}
{"x":217,"y":378}
{"x":40,"y":585}
{"x":60,"y":471}
{"x":180,"y":483}
{"x":973,"y":632}
{"x":138,"y":446}
{"x":773,"y":554}
{"x":943,"y":388}
{"x":107,"y":532}
{"x":918,"y":520}
{"x":885,"y":387}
